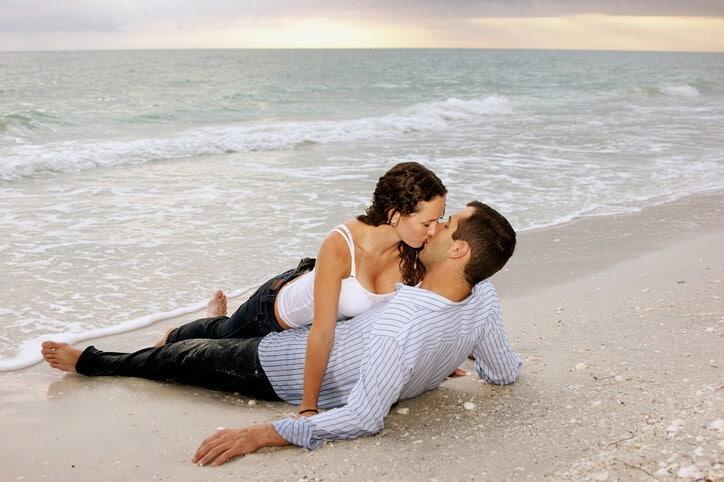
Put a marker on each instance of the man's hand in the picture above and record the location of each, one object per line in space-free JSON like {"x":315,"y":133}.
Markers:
{"x":230,"y":443}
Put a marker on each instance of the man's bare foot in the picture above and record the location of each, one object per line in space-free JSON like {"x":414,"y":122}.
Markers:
{"x":60,"y":356}
{"x":217,"y":305}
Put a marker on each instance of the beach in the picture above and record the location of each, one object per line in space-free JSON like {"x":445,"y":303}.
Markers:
{"x":618,"y":319}
{"x":145,"y":179}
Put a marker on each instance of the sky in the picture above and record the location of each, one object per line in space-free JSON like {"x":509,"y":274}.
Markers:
{"x":681,"y":25}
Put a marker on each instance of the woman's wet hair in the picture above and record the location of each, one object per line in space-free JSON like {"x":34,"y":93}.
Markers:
{"x":400,"y":190}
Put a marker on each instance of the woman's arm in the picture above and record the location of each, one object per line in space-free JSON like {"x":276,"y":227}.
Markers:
{"x":333,"y":265}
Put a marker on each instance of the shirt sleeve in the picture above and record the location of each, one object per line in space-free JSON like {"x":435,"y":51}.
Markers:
{"x":495,"y":360}
{"x":379,"y":386}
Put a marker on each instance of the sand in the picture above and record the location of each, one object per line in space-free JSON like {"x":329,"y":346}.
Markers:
{"x":619,"y":321}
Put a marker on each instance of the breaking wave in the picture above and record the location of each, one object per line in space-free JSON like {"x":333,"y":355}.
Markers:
{"x":75,"y":155}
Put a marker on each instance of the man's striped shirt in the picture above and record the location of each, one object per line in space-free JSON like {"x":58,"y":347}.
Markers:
{"x":396,"y":350}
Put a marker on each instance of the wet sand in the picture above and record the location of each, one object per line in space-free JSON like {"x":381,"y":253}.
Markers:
{"x":618,"y":318}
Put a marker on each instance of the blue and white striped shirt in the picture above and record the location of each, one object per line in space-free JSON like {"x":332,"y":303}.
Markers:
{"x":396,"y":350}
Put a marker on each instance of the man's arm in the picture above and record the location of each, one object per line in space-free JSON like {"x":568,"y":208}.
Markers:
{"x":229,"y":443}
{"x":379,"y":386}
{"x":495,"y":360}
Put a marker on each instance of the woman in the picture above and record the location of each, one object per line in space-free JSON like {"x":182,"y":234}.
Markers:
{"x":358,"y":266}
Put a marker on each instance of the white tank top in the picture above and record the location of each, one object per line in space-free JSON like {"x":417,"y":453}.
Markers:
{"x":295,"y":301}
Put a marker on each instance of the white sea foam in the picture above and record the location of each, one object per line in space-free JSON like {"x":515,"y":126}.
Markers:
{"x":86,"y":251}
{"x":69,"y":156}
{"x":679,"y":90}
{"x":29,"y":351}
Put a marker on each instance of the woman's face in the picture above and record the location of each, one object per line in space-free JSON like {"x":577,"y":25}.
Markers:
{"x":416,"y":228}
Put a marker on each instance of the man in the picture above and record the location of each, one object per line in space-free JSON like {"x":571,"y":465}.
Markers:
{"x":395,"y":351}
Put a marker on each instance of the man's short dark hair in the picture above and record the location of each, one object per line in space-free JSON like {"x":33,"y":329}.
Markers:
{"x":491,"y":239}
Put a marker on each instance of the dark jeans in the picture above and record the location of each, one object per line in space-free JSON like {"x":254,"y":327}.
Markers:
{"x":255,"y":317}
{"x":230,"y":365}
{"x":217,"y":353}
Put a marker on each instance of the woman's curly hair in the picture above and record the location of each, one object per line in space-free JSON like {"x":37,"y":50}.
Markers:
{"x":400,"y":190}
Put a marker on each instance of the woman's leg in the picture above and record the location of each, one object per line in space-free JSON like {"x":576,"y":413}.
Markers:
{"x":250,"y":320}
{"x":254,"y":318}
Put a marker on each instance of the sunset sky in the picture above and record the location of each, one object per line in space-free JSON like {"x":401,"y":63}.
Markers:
{"x":695,"y":25}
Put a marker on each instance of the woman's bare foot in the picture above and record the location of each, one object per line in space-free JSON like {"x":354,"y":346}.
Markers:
{"x":217,"y":305}
{"x":60,"y":356}
{"x":162,"y":341}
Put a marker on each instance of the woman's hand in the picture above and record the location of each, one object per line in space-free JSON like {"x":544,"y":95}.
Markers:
{"x":459,"y":372}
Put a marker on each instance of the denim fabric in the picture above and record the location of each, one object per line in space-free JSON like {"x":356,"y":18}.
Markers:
{"x":254,"y":318}
{"x":230,"y":365}
{"x":217,"y":353}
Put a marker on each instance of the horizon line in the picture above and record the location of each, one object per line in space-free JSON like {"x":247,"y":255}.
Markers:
{"x":133,"y":49}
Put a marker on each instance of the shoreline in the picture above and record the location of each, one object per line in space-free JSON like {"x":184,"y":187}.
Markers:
{"x":27,"y":357}
{"x":618,"y":320}
{"x":352,"y":49}
{"x":649,"y":203}
{"x":613,"y":238}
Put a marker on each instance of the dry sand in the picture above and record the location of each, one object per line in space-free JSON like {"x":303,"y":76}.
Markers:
{"x":618,"y":319}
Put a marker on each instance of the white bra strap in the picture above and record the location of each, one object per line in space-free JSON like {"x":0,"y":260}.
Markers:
{"x":347,"y":234}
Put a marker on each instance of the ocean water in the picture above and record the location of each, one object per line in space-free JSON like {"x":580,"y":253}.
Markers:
{"x":134,"y":183}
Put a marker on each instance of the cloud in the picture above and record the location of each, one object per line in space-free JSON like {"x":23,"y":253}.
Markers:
{"x":555,"y":8}
{"x":81,"y":24}
{"x":98,"y":16}
{"x":78,"y":16}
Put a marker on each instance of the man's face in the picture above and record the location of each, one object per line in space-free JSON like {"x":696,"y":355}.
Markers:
{"x":436,"y":248}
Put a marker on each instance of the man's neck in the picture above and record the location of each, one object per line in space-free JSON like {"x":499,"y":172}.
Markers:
{"x":446,"y":283}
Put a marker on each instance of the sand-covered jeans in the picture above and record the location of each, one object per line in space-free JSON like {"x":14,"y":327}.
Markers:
{"x":230,"y":365}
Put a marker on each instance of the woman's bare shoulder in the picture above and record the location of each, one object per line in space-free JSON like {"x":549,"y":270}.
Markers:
{"x":334,"y":254}
{"x":336,"y":235}
{"x":358,"y":229}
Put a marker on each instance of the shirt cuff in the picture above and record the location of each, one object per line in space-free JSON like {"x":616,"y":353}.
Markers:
{"x":297,"y":432}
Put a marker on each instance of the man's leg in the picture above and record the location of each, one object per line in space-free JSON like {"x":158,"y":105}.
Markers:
{"x":229,"y":365}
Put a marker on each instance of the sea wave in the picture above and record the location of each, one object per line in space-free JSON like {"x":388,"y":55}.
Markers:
{"x":19,"y":122}
{"x":679,"y":90}
{"x":74,"y":155}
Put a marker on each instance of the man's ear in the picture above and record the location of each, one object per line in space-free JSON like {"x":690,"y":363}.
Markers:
{"x":458,"y":249}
